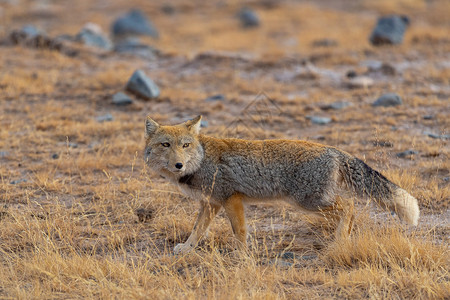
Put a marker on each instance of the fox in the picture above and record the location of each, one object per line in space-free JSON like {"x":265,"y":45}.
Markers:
{"x":229,"y":173}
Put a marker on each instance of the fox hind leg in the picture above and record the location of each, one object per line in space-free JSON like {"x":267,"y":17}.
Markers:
{"x":234,"y":209}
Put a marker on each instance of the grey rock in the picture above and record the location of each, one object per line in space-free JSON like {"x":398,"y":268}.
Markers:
{"x":439,"y":136}
{"x":281,"y":263}
{"x":319,"y":120}
{"x":407,"y":153}
{"x":72,"y":145}
{"x":55,"y":156}
{"x":389,"y":99}
{"x":105,"y":118}
{"x":142,"y":86}
{"x":389,"y":30}
{"x":204,"y":123}
{"x":325,"y":43}
{"x":428,"y":117}
{"x":18,"y":181}
{"x":218,"y":97}
{"x":31,"y":31}
{"x":133,"y":23}
{"x":132,"y":45}
{"x":336,"y":105}
{"x":168,"y":9}
{"x":248,"y":18}
{"x":4,"y":153}
{"x":92,"y":35}
{"x":121,"y":99}
{"x":309,"y":257}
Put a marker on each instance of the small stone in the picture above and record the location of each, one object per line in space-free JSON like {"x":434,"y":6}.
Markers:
{"x":18,"y":181}
{"x":336,"y":105}
{"x":407,"y":153}
{"x":218,"y":97}
{"x":389,"y":30}
{"x":203,"y":123}
{"x":55,"y":156}
{"x":359,"y":82}
{"x":92,"y":35}
{"x":121,"y":99}
{"x":133,"y":23}
{"x":168,"y":9}
{"x":288,"y":255}
{"x":4,"y":153}
{"x":428,"y":117}
{"x":319,"y":120}
{"x":439,"y":136}
{"x":351,"y":74}
{"x":248,"y":18}
{"x":325,"y":43}
{"x":144,"y":215}
{"x":142,"y":86}
{"x":389,"y":99}
{"x":132,"y":45}
{"x":105,"y":118}
{"x":383,"y":144}
{"x":280,"y":263}
{"x":309,"y":257}
{"x":31,"y":31}
{"x":72,"y":145}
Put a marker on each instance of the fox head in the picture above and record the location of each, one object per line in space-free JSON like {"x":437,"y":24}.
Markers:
{"x":174,"y":149}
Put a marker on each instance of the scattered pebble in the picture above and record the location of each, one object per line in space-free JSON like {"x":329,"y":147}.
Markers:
{"x":4,"y":153}
{"x":18,"y":181}
{"x":389,"y":30}
{"x":407,"y":153}
{"x":132,"y":45}
{"x":439,"y":136}
{"x":389,"y":99}
{"x":319,"y":120}
{"x":105,"y":118}
{"x":325,"y":43}
{"x":31,"y":31}
{"x":281,"y":263}
{"x":204,"y":123}
{"x":428,"y":117}
{"x":218,"y":97}
{"x":72,"y":145}
{"x":121,"y":99}
{"x":351,"y":74}
{"x":383,"y":144}
{"x":133,"y":23}
{"x":336,"y":105}
{"x":92,"y":35}
{"x":55,"y":156}
{"x":248,"y":18}
{"x":144,"y":215}
{"x":142,"y":86}
{"x":359,"y":82}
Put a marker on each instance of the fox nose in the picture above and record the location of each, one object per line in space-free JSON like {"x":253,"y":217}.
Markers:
{"x":178,"y":165}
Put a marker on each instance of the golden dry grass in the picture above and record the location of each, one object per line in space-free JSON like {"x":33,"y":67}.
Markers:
{"x":72,"y":190}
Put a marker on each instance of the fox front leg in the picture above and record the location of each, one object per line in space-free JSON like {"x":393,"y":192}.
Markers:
{"x":207,"y":212}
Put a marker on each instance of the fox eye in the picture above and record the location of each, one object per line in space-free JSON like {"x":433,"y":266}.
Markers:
{"x":165,"y":144}
{"x":186,"y":145}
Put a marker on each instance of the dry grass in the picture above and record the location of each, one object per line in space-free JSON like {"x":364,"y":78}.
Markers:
{"x":82,"y":217}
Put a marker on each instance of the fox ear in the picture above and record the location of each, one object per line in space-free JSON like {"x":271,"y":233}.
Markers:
{"x":150,"y":126}
{"x":194,"y":124}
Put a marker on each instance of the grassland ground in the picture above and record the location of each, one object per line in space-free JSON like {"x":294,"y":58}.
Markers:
{"x":81,"y":216}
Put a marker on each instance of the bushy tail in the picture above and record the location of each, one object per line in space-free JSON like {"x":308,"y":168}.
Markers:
{"x":365,"y":181}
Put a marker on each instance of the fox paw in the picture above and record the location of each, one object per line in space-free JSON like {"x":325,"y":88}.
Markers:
{"x":182,"y":248}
